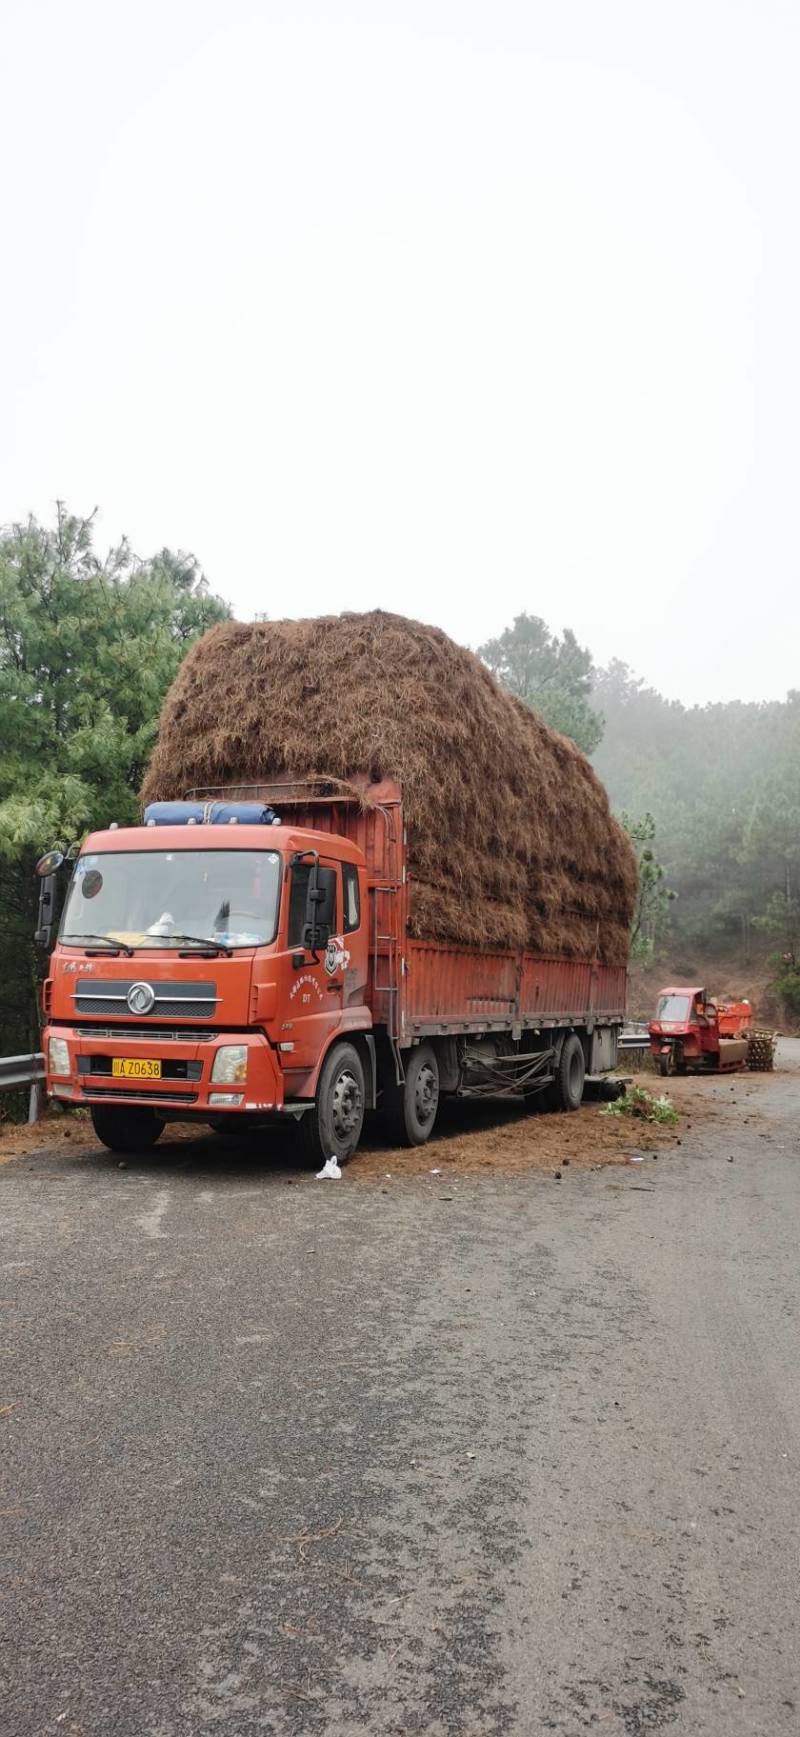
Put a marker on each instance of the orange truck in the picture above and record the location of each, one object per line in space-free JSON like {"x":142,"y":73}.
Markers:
{"x":244,"y":958}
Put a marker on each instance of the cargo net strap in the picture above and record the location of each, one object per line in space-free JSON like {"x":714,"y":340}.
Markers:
{"x":506,"y":1076}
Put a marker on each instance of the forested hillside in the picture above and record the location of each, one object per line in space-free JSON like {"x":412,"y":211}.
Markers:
{"x":721,"y":782}
{"x":723,"y":785}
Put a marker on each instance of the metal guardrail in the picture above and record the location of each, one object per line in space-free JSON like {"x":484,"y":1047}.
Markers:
{"x":24,"y":1070}
{"x":21,"y":1070}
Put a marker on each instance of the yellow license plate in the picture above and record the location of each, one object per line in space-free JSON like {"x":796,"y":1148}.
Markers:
{"x":126,"y":1068}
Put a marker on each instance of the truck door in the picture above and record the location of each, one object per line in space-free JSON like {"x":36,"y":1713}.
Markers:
{"x":316,"y":984}
{"x":354,"y":935}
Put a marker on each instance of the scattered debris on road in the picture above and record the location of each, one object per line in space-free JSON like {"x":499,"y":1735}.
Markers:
{"x":330,"y":1171}
{"x":493,"y":1138}
{"x":638,"y":1102}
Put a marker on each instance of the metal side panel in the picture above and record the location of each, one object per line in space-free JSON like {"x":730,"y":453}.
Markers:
{"x":446,"y":984}
{"x":458,"y":988}
{"x":551,"y":986}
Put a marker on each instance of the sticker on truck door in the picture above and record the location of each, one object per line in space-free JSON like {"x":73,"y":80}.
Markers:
{"x":337,"y":956}
{"x":310,"y":983}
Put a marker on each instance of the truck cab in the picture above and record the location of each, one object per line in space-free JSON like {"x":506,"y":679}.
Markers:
{"x":209,"y":969}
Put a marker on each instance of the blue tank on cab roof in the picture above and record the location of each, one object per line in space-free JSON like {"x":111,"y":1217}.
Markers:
{"x":210,"y":814}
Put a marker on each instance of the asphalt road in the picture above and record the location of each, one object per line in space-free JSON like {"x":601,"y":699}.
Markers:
{"x":484,"y":1456}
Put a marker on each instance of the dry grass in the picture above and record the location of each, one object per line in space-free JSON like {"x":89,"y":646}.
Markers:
{"x":511,"y":842}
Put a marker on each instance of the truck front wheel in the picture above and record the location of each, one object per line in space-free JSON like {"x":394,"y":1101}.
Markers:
{"x":409,"y":1111}
{"x":332,"y":1127}
{"x":126,"y":1130}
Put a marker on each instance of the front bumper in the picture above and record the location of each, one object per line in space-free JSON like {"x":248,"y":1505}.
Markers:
{"x":684,"y":1043}
{"x":186,"y":1086}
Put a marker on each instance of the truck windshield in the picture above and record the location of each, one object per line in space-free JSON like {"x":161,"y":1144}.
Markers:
{"x":672,"y":1009}
{"x":159,"y":898}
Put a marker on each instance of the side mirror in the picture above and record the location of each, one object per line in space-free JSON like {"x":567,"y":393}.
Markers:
{"x":47,"y":911}
{"x":48,"y":869}
{"x":50,"y":864}
{"x":320,"y":907}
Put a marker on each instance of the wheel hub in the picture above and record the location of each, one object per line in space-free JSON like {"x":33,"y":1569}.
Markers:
{"x":346,"y":1105}
{"x":426,"y":1094}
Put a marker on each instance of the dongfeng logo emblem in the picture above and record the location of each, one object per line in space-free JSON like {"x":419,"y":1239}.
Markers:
{"x":141,"y":998}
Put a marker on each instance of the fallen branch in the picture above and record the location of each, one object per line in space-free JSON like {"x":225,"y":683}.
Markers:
{"x":304,"y":1539}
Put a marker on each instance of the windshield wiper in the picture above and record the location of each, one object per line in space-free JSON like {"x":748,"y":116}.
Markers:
{"x":108,"y":940}
{"x":193,"y":941}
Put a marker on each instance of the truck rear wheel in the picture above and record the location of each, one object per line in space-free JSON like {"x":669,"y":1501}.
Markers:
{"x":124,"y":1130}
{"x":409,"y":1110}
{"x":566,"y":1092}
{"x":332,"y":1128}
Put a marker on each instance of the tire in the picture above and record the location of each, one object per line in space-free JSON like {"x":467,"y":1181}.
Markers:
{"x":332,"y":1129}
{"x":123,"y":1130}
{"x":409,"y":1111}
{"x":665,"y":1066}
{"x":566,"y":1092}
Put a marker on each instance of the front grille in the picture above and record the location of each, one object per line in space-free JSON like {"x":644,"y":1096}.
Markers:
{"x":170,"y":1070}
{"x":126,"y":1091}
{"x":150,"y":1033}
{"x":174,"y":999}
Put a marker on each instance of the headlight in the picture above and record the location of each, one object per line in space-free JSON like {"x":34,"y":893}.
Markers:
{"x":230,"y":1064}
{"x":58,"y":1056}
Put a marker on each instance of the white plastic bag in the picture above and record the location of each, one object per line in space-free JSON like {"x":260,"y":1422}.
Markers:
{"x":330,"y":1171}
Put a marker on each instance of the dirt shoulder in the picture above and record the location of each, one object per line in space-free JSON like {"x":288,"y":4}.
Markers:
{"x":471,"y":1138}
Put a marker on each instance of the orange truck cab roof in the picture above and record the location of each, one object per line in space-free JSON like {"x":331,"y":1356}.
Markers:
{"x":213,"y":837}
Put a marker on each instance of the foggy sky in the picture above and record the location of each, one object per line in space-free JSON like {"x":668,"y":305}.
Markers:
{"x":460,"y":309}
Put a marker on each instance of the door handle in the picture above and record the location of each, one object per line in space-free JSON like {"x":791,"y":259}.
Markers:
{"x":332,"y":987}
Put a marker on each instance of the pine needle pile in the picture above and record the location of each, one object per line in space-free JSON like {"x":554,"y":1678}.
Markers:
{"x":511,"y":841}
